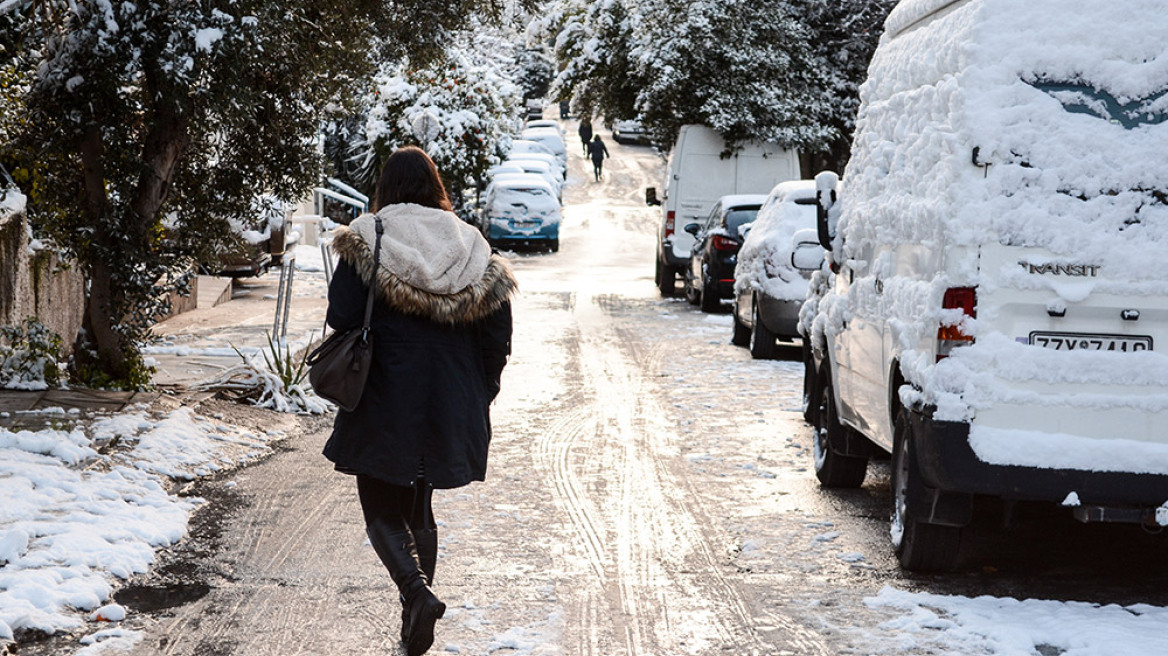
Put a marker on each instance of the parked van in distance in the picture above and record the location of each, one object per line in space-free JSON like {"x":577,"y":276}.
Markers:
{"x":997,"y":316}
{"x":702,"y":169}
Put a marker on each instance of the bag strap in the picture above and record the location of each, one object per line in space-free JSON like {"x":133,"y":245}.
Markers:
{"x":373,"y":279}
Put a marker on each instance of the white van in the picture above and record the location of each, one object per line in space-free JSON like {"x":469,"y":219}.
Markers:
{"x":702,"y":169}
{"x":997,"y":314}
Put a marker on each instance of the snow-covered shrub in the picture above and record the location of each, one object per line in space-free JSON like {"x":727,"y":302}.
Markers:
{"x":274,"y":378}
{"x":30,"y":356}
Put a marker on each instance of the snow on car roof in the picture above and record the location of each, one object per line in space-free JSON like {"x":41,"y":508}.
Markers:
{"x":793,"y":189}
{"x":518,"y":180}
{"x":739,"y":200}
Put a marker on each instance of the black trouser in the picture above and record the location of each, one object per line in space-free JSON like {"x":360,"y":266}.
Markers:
{"x":596,"y":166}
{"x":398,"y":506}
{"x":404,"y":511}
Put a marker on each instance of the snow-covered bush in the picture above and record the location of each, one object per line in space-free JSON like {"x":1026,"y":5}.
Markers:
{"x":30,"y":356}
{"x":273,"y":378}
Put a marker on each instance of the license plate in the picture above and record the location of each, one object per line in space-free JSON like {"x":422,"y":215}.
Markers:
{"x":1089,"y":342}
{"x":525,"y":224}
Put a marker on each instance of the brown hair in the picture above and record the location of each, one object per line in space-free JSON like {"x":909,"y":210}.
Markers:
{"x":409,"y":176}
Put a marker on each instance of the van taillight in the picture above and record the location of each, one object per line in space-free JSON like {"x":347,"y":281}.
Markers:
{"x":951,"y":336}
{"x":669,"y":223}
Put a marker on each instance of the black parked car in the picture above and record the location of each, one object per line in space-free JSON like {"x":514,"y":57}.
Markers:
{"x":710,"y":276}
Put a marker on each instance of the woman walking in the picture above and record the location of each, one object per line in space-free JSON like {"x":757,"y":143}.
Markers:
{"x":597,"y":151}
{"x":441,"y":335}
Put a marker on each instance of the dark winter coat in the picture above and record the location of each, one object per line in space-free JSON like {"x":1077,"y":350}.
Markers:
{"x":585,"y":131}
{"x":437,"y":361}
{"x":597,"y":151}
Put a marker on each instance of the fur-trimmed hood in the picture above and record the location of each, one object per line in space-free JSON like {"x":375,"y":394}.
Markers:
{"x":471,"y":303}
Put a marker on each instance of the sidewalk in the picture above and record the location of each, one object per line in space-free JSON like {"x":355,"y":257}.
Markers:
{"x":197,"y":345}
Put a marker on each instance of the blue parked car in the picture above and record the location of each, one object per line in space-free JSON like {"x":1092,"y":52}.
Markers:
{"x":521,"y":209}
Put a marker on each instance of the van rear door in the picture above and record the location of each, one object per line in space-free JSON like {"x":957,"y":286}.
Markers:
{"x":1062,"y":307}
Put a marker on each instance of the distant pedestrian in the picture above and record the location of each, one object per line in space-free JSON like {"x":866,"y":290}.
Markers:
{"x":585,"y":134}
{"x":441,"y":335}
{"x":564,"y":109}
{"x":597,"y":151}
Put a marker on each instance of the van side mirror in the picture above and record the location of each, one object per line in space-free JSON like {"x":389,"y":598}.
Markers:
{"x":692,"y":228}
{"x":826,"y":196}
{"x":651,"y":196}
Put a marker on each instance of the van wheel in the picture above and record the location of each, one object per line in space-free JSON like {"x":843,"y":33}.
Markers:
{"x":666,"y":279}
{"x":919,"y":545}
{"x":831,"y":468}
{"x":710,"y":301}
{"x":762,"y":340}
{"x":741,"y":335}
{"x":554,"y":246}
{"x":810,"y":408}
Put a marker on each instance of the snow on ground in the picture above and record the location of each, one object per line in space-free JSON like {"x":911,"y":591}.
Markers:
{"x":958,"y":626}
{"x":85,"y":507}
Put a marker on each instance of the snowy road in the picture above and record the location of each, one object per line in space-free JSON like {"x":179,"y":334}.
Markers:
{"x":649,"y":495}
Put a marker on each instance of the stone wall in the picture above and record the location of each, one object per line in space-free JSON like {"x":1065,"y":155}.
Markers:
{"x":40,"y":284}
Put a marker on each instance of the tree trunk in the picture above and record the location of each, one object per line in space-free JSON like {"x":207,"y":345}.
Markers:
{"x":165,"y":144}
{"x":99,"y":317}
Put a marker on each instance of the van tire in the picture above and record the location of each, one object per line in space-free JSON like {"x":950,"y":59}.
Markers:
{"x":710,"y":302}
{"x":762,"y":340}
{"x":554,"y":246}
{"x":920,"y":546}
{"x":832,"y":468}
{"x":741,"y":335}
{"x":666,"y":279}
{"x":810,"y":406}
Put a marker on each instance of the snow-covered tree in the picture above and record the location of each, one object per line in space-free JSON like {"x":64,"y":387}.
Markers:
{"x":595,"y":42}
{"x":772,"y":70}
{"x":844,"y":34}
{"x":152,"y":126}
{"x":469,"y":98}
{"x":535,"y":71}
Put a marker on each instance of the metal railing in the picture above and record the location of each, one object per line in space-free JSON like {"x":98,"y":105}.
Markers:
{"x":347,"y":195}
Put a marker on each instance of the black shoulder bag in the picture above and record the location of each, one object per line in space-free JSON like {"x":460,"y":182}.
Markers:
{"x":338,"y":367}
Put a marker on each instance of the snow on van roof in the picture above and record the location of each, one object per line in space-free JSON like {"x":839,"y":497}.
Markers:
{"x":1033,"y":124}
{"x":908,"y":12}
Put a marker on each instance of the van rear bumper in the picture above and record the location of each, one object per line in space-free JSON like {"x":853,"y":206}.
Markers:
{"x":948,"y":463}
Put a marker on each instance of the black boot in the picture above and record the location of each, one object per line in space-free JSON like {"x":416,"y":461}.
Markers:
{"x":395,"y":547}
{"x":427,"y":545}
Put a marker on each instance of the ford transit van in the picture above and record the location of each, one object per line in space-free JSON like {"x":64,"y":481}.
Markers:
{"x":995,"y":316}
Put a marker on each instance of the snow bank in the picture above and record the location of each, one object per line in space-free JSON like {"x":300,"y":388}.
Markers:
{"x":945,"y":625}
{"x":74,"y":520}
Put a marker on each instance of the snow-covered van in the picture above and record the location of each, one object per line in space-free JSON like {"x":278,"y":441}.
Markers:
{"x":702,"y":169}
{"x":997,"y":315}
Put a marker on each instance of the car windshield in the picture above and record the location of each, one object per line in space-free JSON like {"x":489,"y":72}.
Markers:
{"x":739,"y":216}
